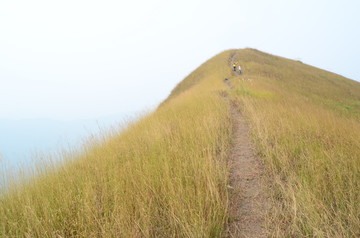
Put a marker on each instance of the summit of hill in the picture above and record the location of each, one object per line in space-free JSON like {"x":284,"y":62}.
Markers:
{"x":168,"y":174}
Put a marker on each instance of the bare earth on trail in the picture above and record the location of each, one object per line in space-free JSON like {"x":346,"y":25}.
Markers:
{"x":248,"y":193}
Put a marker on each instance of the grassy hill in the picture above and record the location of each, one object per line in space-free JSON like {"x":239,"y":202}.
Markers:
{"x":306,"y":124}
{"x":166,"y":175}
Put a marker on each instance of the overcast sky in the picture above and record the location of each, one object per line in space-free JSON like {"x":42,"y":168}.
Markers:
{"x":75,"y":59}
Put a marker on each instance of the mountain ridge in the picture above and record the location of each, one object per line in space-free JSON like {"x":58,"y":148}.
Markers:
{"x":167,"y":174}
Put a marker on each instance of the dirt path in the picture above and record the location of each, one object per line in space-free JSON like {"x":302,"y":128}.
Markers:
{"x":248,"y":197}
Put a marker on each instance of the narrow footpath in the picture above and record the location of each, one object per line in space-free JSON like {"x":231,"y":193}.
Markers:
{"x":249,"y":201}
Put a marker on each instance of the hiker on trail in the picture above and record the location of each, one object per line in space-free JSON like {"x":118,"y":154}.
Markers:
{"x":240,"y":72}
{"x":234,"y":67}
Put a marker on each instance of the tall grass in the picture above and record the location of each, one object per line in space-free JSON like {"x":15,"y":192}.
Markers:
{"x":166,"y":175}
{"x":163,"y":176}
{"x":306,"y":124}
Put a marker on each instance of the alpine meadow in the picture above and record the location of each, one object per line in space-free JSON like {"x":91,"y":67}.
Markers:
{"x":167,"y":173}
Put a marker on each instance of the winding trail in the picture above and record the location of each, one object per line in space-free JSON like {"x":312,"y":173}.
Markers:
{"x":249,"y":201}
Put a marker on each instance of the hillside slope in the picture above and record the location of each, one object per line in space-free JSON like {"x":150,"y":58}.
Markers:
{"x":306,"y":123}
{"x":167,"y":175}
{"x":163,"y":176}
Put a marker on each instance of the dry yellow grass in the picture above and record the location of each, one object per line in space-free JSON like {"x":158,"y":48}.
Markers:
{"x":166,"y":175}
{"x":163,"y":176}
{"x":306,"y":123}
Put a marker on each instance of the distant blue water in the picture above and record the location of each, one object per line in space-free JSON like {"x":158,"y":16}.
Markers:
{"x":20,"y":139}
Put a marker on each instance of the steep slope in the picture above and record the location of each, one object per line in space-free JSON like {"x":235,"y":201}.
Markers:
{"x":167,"y":174}
{"x":163,"y":176}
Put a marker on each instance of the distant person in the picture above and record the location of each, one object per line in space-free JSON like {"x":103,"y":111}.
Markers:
{"x":234,"y":67}
{"x":240,"y":71}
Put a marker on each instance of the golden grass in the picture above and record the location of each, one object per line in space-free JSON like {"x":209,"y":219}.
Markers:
{"x":310,"y":142}
{"x":166,"y":175}
{"x":163,"y":176}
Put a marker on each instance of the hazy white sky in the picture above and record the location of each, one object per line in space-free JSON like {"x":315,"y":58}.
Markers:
{"x":74,"y":59}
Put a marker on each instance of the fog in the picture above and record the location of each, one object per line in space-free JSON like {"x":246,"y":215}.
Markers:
{"x":82,"y":60}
